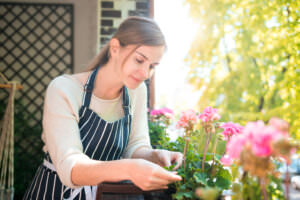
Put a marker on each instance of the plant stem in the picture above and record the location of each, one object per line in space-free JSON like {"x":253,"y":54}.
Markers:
{"x":205,"y":148}
{"x":263,"y":188}
{"x":214,"y":150}
{"x":185,"y":151}
{"x":287,"y":192}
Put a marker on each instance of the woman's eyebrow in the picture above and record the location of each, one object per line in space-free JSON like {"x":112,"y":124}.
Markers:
{"x":156,"y":63}
{"x":142,"y":55}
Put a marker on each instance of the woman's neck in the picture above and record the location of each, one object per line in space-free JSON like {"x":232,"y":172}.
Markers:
{"x":108,"y":84}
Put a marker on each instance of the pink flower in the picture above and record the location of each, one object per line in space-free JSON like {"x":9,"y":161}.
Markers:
{"x":186,"y":119}
{"x":209,"y":114}
{"x":235,"y":146}
{"x":163,"y":111}
{"x":280,"y":125}
{"x":261,"y":137}
{"x":226,"y":160}
{"x":256,"y":136}
{"x":231,"y":129}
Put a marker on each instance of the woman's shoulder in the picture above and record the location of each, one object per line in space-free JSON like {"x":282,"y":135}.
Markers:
{"x":69,"y":81}
{"x":65,"y":85}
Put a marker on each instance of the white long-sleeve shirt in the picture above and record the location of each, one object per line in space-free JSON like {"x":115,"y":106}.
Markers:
{"x":61,"y":116}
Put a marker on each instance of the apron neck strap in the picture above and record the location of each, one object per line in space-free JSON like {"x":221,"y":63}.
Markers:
{"x":88,"y":91}
{"x":88,"y":87}
{"x":126,"y":101}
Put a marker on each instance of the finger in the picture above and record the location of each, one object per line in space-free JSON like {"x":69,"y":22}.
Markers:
{"x":164,"y":174}
{"x":165,"y":158}
{"x":179,"y":159}
{"x":167,"y":161}
{"x":159,"y":181}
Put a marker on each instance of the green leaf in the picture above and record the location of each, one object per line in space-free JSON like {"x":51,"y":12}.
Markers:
{"x":181,"y":195}
{"x":223,"y":183}
{"x":224,"y":173}
{"x":200,"y":177}
{"x":171,"y":167}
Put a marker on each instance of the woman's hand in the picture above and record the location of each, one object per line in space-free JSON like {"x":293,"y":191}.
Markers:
{"x":150,"y":176}
{"x":166,"y":158}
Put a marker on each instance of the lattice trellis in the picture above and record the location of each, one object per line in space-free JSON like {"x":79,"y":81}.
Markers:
{"x":36,"y":45}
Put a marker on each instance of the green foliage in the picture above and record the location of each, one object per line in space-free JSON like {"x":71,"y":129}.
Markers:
{"x":213,"y":176}
{"x":156,"y":132}
{"x":210,"y":182}
{"x":245,"y":57}
{"x":275,"y":189}
{"x":250,"y":189}
{"x":171,"y":167}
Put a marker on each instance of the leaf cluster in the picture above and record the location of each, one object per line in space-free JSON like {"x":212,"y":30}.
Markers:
{"x":245,"y":58}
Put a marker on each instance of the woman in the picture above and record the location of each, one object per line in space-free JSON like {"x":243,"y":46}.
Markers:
{"x":95,"y":124}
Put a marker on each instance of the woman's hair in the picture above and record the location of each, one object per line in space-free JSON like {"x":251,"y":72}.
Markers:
{"x":132,"y":31}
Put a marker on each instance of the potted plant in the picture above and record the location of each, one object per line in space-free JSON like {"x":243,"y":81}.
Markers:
{"x":201,"y":166}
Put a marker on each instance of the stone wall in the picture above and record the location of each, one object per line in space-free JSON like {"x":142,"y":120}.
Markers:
{"x":112,"y":13}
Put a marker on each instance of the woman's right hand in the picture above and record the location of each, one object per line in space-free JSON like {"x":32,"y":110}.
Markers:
{"x":150,"y":176}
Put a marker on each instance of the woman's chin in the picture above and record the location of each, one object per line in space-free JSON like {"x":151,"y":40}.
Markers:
{"x":132,"y":86}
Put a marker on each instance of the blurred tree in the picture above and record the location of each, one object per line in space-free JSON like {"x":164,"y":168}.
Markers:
{"x":245,"y":58}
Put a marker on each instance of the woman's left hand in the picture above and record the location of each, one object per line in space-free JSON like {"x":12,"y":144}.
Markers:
{"x":166,"y":158}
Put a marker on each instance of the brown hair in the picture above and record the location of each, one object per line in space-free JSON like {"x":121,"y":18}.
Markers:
{"x":132,"y":31}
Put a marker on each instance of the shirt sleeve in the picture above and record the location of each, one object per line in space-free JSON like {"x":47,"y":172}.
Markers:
{"x":139,"y":136}
{"x":61,"y":131}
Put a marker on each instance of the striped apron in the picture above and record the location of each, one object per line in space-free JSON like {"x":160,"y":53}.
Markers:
{"x":101,"y":140}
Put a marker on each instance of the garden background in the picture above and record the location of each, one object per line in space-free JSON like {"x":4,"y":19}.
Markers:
{"x":243,"y":59}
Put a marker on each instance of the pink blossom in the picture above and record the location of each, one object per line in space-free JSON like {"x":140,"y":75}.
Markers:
{"x":255,"y":135}
{"x":209,"y":114}
{"x":231,"y":129}
{"x":280,"y":125}
{"x":163,"y":111}
{"x":226,"y":160}
{"x":235,"y":146}
{"x":187,"y":117}
{"x":261,"y":137}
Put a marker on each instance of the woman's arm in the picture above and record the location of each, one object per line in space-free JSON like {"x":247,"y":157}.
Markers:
{"x":144,"y":174}
{"x":92,"y":172}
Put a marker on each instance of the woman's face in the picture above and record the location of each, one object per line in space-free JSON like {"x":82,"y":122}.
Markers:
{"x":138,"y":64}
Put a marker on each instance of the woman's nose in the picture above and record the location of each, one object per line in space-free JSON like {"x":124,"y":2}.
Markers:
{"x":145,"y":72}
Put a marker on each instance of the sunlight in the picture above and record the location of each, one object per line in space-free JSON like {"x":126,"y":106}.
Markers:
{"x":172,"y":89}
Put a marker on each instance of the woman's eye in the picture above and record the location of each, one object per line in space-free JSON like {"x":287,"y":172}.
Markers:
{"x":139,"y":61}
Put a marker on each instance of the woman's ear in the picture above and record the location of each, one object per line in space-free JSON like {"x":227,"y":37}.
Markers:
{"x":114,"y":47}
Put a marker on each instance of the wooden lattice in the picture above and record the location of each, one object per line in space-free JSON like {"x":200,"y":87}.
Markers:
{"x":36,"y":45}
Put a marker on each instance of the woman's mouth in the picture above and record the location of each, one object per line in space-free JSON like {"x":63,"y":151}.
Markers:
{"x":136,"y":79}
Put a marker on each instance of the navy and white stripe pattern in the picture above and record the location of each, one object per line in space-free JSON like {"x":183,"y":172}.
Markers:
{"x":101,"y":140}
